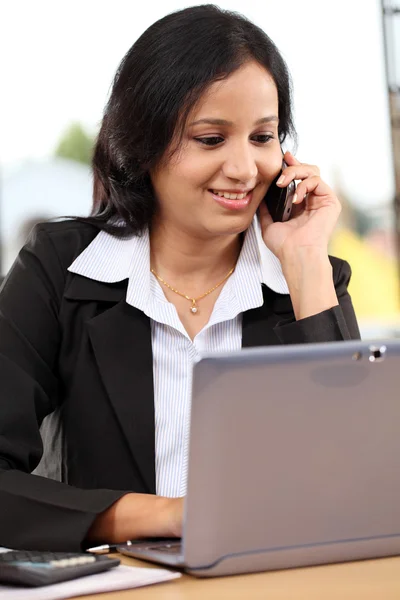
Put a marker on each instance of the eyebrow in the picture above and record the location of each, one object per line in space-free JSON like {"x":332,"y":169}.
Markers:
{"x":209,"y":121}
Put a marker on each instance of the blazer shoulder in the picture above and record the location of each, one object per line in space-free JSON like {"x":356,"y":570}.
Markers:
{"x":68,"y":238}
{"x":341,"y":272}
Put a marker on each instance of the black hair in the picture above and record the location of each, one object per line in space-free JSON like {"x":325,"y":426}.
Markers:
{"x":157,"y":84}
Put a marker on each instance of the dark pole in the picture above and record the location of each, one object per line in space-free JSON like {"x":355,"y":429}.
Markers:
{"x":1,"y":237}
{"x":391,"y":34}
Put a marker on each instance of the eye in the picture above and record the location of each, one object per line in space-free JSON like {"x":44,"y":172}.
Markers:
{"x":262,"y":138}
{"x":210,"y":141}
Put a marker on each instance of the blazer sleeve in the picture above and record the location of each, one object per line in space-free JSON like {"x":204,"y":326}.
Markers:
{"x":335,"y":324}
{"x":35,"y":512}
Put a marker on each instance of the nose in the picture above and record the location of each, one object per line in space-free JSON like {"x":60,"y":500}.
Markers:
{"x":240,"y":163}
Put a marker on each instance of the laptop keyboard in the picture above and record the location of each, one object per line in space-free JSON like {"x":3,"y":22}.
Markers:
{"x":174,"y":548}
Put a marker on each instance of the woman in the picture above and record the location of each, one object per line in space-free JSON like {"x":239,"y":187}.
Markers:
{"x":99,"y":330}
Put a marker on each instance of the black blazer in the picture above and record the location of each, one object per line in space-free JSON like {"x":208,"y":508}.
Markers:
{"x":77,"y":387}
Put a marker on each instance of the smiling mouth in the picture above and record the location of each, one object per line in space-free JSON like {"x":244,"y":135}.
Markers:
{"x":232,"y":201}
{"x":231,"y":195}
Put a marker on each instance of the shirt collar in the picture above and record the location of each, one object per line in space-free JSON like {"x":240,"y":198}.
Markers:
{"x":110,"y":259}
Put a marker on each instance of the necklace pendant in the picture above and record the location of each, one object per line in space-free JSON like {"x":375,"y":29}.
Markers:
{"x":193,"y":308}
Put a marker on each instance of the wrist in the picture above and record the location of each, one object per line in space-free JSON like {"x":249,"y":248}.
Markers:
{"x":304,"y":259}
{"x":308,"y":273}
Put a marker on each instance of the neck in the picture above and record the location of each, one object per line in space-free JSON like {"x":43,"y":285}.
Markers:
{"x":178,"y":256}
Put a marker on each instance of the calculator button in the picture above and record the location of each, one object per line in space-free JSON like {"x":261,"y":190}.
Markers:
{"x":60,"y":563}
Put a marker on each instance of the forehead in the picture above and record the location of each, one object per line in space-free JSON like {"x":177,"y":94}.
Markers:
{"x":249,"y":92}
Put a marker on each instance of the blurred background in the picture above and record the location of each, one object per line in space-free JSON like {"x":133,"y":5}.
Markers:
{"x":58,"y":62}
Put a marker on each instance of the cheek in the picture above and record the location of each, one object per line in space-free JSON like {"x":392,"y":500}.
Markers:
{"x":271,"y":169}
{"x":268,"y":171}
{"x":196,"y":171}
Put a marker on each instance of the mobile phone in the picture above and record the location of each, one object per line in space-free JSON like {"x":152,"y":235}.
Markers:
{"x":280,"y":200}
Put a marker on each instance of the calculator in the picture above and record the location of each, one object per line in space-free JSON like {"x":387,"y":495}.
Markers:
{"x":36,"y":568}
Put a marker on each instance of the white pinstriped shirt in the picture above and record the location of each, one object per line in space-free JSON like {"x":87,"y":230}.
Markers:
{"x":110,"y":259}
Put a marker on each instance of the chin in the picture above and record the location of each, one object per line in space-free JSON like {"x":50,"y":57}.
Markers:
{"x":231,"y":224}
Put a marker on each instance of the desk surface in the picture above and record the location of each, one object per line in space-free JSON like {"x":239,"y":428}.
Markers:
{"x":364,"y":580}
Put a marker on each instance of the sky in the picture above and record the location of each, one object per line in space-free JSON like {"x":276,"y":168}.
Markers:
{"x":59,"y":58}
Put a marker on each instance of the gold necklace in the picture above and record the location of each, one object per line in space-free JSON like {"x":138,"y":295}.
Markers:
{"x":193,"y":309}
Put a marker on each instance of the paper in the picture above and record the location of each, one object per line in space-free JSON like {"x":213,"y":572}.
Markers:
{"x":119,"y":578}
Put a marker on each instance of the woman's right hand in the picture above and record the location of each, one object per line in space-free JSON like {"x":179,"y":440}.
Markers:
{"x":175,"y":512}
{"x":136,"y":516}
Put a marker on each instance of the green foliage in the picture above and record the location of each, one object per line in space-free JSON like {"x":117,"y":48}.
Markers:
{"x":76,"y":144}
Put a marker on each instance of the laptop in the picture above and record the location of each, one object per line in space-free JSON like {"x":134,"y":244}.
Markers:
{"x":294,"y":460}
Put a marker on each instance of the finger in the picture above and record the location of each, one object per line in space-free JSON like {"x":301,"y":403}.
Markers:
{"x":316,"y":186}
{"x":304,"y":188}
{"x":300,"y":171}
{"x":290,"y":159}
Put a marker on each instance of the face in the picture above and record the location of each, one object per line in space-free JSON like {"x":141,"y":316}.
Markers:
{"x":229,"y":156}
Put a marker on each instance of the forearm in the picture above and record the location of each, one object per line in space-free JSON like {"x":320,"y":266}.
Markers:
{"x":308,"y":273}
{"x":137,"y":516}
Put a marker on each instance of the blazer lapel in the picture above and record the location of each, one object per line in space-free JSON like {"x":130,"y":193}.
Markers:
{"x":259,"y":323}
{"x":121,"y":340}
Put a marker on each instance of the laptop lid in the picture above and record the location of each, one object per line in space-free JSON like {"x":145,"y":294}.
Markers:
{"x":294,"y":456}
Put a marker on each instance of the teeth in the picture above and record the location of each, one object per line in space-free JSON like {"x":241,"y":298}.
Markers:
{"x":229,"y":196}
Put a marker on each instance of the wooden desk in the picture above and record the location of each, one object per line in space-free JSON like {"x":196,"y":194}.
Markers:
{"x":364,"y":580}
